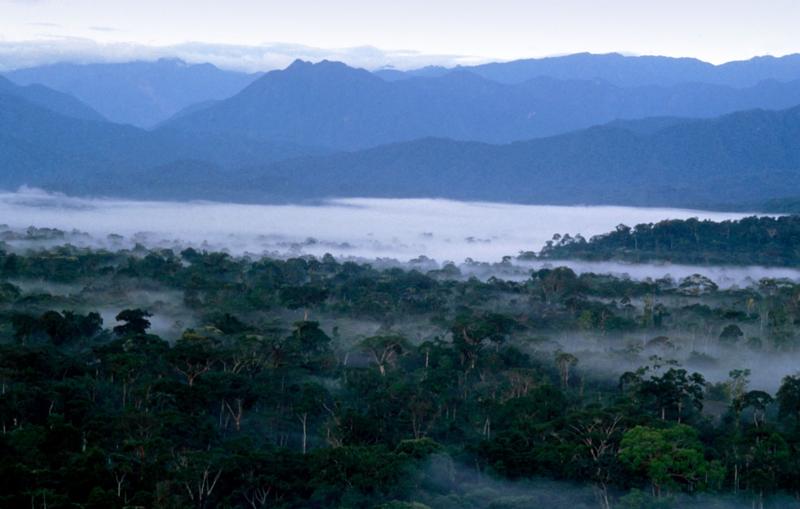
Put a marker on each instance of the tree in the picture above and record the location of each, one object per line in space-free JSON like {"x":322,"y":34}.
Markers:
{"x":68,"y":326}
{"x":130,"y":360}
{"x":671,"y":458}
{"x":673,"y":392}
{"x":351,"y":476}
{"x":766,"y":458}
{"x":9,"y":292}
{"x":192,"y":356}
{"x":199,"y":473}
{"x":136,"y":322}
{"x":310,"y":345}
{"x":230,"y":324}
{"x":788,"y":397}
{"x":385,"y":350}
{"x":731,"y":334}
{"x":305,"y":297}
{"x":307,"y":402}
{"x":471,"y":330}
{"x":758,"y":401}
{"x":25,"y":327}
{"x":739,"y":380}
{"x":697,"y":284}
{"x":565,"y":361}
{"x":599,"y":434}
{"x":237,"y":395}
{"x":557,"y":284}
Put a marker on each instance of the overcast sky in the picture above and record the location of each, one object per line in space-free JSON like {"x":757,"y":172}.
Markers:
{"x":408,"y":32}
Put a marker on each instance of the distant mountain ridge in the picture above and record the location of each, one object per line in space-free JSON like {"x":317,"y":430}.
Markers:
{"x":138,"y":93}
{"x":315,"y":131}
{"x":41,"y":147}
{"x":50,"y":99}
{"x":743,"y":157}
{"x":516,"y":100}
{"x":626,"y":71}
{"x":147,"y":93}
{"x":332,"y":105}
{"x":730,"y":162}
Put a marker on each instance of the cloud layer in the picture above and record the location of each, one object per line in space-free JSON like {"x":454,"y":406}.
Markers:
{"x":22,"y":54}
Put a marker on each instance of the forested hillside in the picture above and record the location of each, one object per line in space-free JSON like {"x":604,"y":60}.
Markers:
{"x":768,"y":241}
{"x":668,"y":162}
{"x":694,"y":163}
{"x":196,"y":379}
{"x":369,"y":255}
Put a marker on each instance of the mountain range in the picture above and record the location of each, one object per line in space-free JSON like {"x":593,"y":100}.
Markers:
{"x":332,"y":105}
{"x":626,"y":71}
{"x":314,"y":131}
{"x":50,"y":99}
{"x":741,"y":158}
{"x":144,"y":94}
{"x":137,"y":93}
{"x":40,"y":146}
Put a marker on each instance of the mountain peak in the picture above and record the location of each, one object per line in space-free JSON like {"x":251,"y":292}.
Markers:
{"x":309,"y":79}
{"x":298,"y":63}
{"x":322,"y":65}
{"x":172,"y":62}
{"x":319,"y":72}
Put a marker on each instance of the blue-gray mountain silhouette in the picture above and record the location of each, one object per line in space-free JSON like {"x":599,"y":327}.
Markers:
{"x":332,"y":105}
{"x":137,"y":93}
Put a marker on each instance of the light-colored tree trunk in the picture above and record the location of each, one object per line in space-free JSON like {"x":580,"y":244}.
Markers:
{"x":304,"y":421}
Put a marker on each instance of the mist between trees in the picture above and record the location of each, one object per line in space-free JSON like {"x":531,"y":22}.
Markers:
{"x":164,"y":378}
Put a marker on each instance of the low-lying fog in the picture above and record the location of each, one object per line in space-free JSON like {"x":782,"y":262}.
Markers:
{"x":397,"y":231}
{"x":368,"y":228}
{"x":724,"y":276}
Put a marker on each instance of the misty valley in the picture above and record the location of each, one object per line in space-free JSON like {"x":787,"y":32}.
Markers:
{"x":651,"y":365}
{"x":390,"y":260}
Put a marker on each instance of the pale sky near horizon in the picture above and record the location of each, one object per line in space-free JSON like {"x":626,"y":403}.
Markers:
{"x":712,"y":30}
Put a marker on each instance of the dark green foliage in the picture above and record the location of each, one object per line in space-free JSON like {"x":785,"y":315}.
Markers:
{"x":136,"y":322}
{"x":406,"y":388}
{"x":302,"y":297}
{"x":69,"y":326}
{"x":789,"y":398}
{"x":731,"y":334}
{"x":749,"y":241}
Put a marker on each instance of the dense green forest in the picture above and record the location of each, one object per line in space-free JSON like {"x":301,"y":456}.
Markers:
{"x":155,"y":378}
{"x":769,"y":241}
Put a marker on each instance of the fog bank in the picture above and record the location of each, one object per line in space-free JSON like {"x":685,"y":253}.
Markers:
{"x":369,"y":228}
